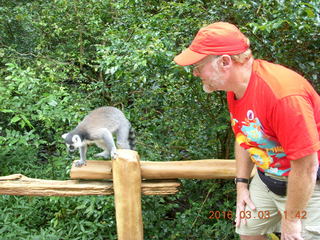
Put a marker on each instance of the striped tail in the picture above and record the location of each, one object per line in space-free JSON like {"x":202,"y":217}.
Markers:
{"x":132,"y":139}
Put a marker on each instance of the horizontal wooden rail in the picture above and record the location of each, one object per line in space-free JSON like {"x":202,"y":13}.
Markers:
{"x":130,"y":180}
{"x":193,"y":169}
{"x":21,"y":185}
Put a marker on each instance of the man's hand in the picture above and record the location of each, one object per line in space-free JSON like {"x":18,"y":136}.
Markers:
{"x":291,"y":229}
{"x":243,"y":199}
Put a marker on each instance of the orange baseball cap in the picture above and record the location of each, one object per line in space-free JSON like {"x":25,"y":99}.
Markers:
{"x":218,"y":38}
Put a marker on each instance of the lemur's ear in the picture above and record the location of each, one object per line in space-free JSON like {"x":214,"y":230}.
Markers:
{"x":64,"y":135}
{"x":76,"y":139}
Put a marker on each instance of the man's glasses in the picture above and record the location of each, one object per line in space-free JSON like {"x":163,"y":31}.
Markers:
{"x":196,"y":66}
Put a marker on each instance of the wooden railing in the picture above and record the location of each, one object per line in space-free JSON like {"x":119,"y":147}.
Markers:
{"x":131,"y":178}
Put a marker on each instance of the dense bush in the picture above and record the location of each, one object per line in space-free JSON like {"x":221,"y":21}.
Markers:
{"x":59,"y":59}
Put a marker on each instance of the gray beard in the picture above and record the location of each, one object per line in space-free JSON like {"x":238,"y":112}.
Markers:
{"x":206,"y":89}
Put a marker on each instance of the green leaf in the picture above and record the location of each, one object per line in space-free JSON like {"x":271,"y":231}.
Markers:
{"x":15,"y":119}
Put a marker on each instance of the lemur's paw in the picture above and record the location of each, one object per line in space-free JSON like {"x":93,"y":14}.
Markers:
{"x":114,"y":154}
{"x":80,"y":163}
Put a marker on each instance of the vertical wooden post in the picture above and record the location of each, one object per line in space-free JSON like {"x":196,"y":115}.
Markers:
{"x":127,"y":195}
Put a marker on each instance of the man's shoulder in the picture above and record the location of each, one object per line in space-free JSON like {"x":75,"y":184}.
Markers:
{"x":281,"y":80}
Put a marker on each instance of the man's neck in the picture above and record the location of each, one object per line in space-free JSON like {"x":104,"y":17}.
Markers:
{"x":243,"y":75}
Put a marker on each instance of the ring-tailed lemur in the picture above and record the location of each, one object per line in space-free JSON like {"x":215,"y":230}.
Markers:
{"x":98,"y":127}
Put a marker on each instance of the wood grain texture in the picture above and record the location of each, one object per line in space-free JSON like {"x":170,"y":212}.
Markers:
{"x":193,"y":169}
{"x":21,"y":185}
{"x":126,"y":174}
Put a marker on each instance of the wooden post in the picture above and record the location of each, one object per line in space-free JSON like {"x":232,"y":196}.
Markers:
{"x":127,"y":195}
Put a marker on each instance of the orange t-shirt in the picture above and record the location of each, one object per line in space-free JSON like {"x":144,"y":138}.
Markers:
{"x":278,"y":118}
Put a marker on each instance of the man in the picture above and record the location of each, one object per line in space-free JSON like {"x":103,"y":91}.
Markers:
{"x":275,"y":115}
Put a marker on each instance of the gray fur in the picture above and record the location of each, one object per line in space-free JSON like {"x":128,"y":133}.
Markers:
{"x":98,"y":127}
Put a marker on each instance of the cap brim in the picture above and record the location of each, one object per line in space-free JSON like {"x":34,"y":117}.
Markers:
{"x":188,"y":57}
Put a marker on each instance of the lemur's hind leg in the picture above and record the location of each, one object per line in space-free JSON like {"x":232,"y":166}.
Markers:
{"x":123,"y":136}
{"x":109,"y":143}
{"x":106,"y":153}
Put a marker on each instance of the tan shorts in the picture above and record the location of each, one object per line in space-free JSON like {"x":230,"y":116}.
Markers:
{"x":269,"y":206}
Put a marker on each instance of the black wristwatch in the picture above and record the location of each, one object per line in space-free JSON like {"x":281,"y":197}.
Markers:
{"x":242,"y":180}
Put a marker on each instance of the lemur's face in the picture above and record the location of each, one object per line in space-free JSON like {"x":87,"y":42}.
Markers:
{"x":73,"y":143}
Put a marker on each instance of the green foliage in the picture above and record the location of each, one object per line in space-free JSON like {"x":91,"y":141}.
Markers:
{"x":36,"y":218}
{"x":59,"y":59}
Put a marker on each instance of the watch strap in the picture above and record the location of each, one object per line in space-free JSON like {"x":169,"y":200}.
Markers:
{"x":242,"y":180}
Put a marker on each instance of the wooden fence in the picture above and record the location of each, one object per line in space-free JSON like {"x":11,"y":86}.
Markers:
{"x":131,"y":178}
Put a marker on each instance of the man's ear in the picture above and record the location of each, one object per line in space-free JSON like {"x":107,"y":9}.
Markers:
{"x":226,"y":62}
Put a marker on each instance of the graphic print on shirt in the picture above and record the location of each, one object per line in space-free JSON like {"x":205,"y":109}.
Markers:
{"x":265,"y":152}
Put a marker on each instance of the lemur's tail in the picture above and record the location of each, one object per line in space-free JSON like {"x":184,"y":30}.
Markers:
{"x":132,"y":139}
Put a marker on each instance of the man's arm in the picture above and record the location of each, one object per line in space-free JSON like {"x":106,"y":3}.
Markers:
{"x":301,"y":182}
{"x":244,"y":167}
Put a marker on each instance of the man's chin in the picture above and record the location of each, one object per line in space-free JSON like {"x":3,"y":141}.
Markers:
{"x":207,"y":89}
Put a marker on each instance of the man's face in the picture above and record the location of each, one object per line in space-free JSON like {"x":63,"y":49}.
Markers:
{"x":207,"y":69}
